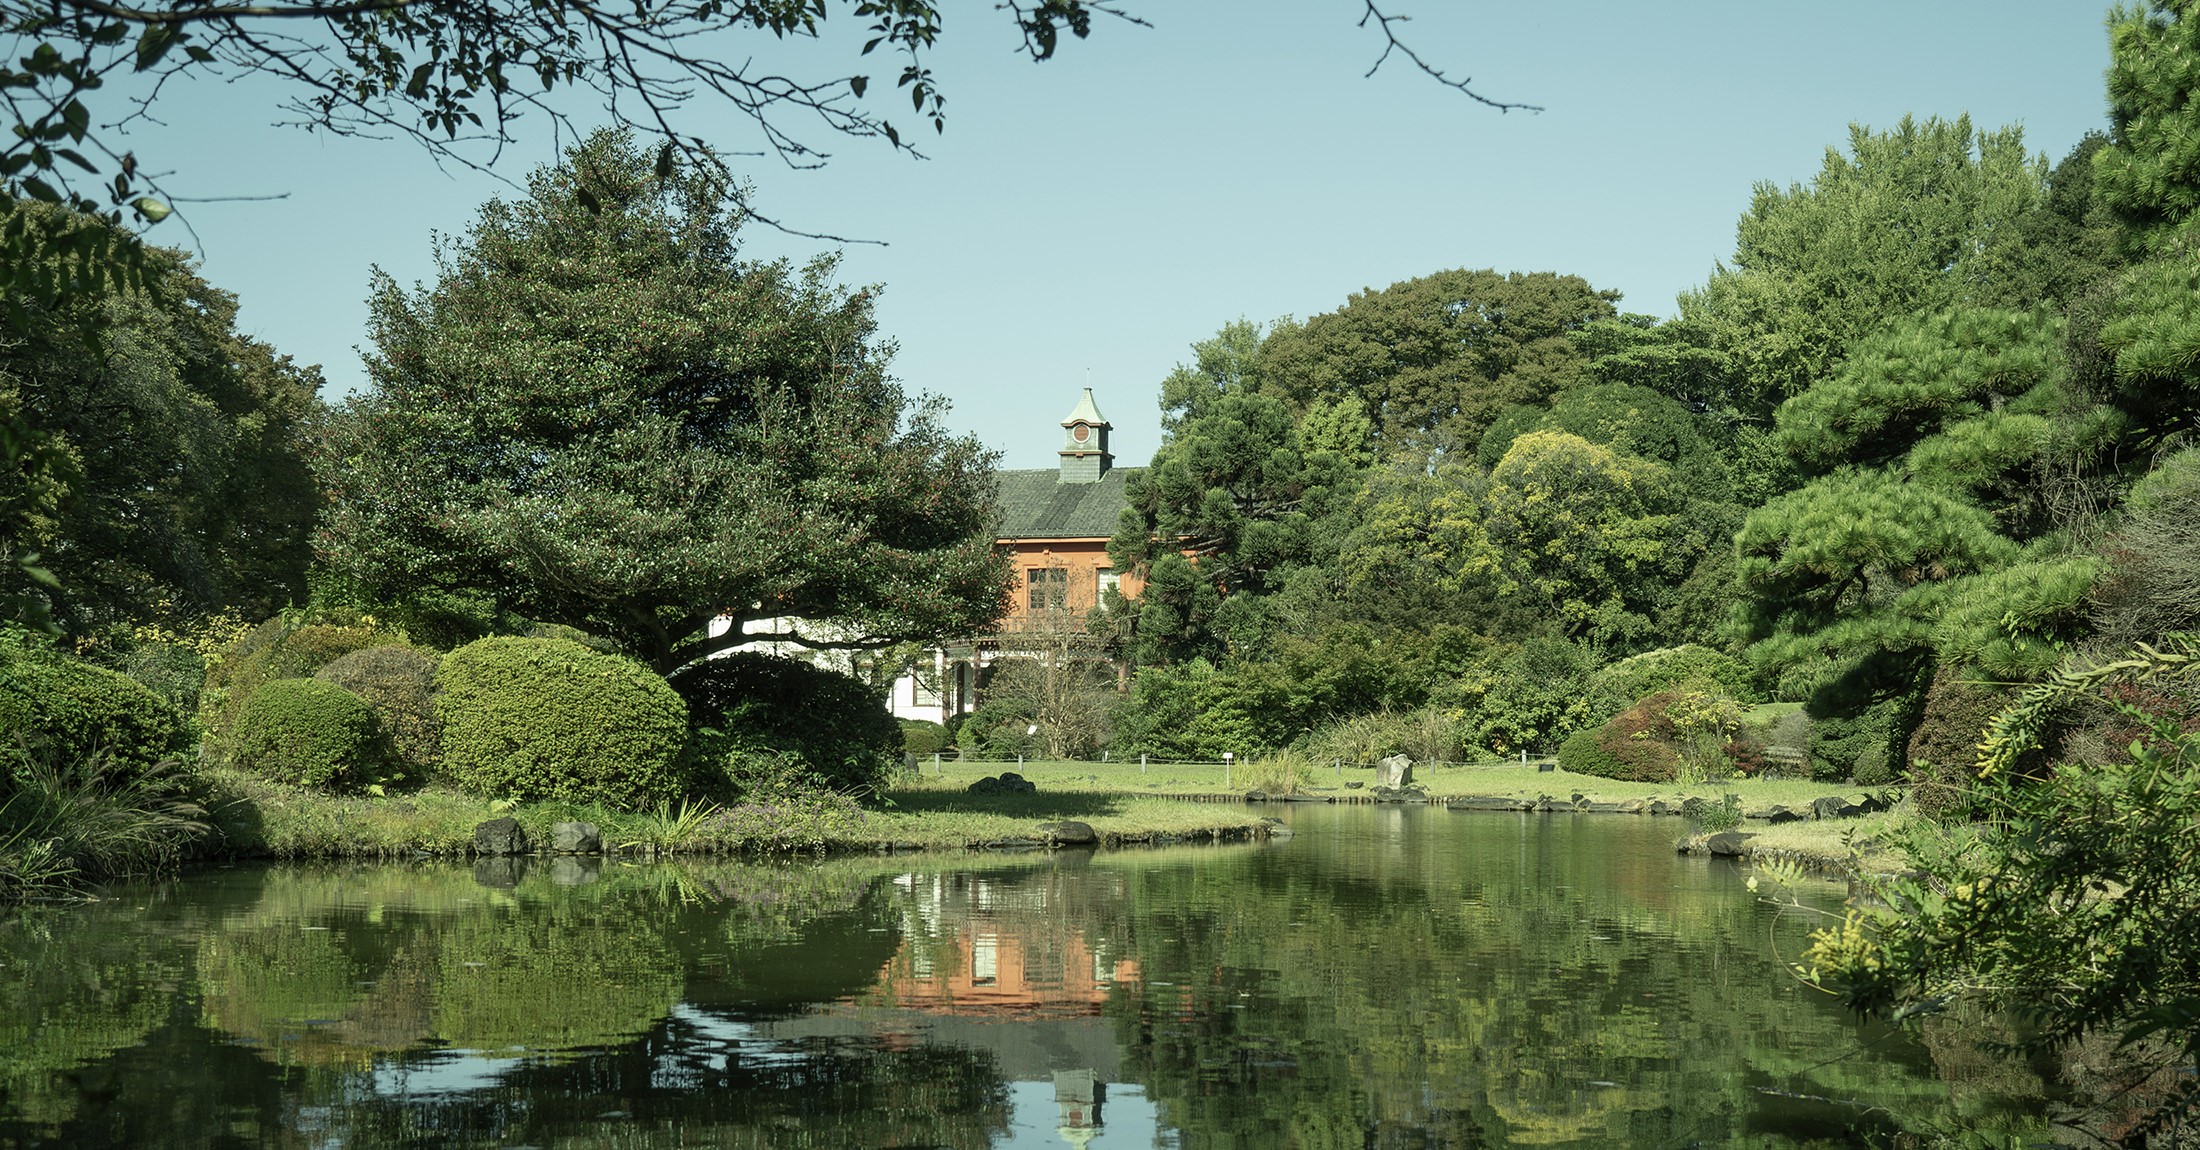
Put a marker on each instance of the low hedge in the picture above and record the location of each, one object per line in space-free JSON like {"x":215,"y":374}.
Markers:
{"x":75,"y":708}
{"x":311,"y":733}
{"x":530,"y":719}
{"x":1637,"y":745}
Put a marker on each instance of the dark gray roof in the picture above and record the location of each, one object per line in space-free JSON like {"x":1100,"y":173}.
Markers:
{"x":1036,"y":505}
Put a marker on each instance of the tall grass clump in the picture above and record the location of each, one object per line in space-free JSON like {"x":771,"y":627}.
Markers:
{"x":1281,"y":773}
{"x":68,"y":819}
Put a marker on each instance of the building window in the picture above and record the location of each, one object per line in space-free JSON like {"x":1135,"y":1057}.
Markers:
{"x":1109,"y":581}
{"x":1049,"y":588}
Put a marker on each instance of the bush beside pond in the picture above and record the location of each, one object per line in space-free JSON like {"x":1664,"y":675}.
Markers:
{"x":399,"y":683}
{"x":75,"y":709}
{"x":533,"y":719}
{"x":769,"y":707}
{"x":310,"y":733}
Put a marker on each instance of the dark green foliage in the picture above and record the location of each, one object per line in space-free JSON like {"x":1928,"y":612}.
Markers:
{"x":399,"y":683}
{"x":173,"y":671}
{"x":548,"y":719}
{"x":1625,"y":417}
{"x":1911,"y":379}
{"x":923,"y":739}
{"x":2073,"y":908}
{"x":1531,"y":697}
{"x":71,"y":818}
{"x":68,"y":710}
{"x":1942,"y":763}
{"x":599,"y":415}
{"x":310,"y":733}
{"x":837,"y":726}
{"x":171,"y":449}
{"x":1916,"y":218}
{"x":1236,"y":488}
{"x":1583,"y":753}
{"x":1865,"y":745}
{"x":2149,"y":175}
{"x":1194,"y":710}
{"x":1617,"y":685}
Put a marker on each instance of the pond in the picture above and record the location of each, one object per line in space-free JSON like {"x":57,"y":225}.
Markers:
{"x":1386,"y":976}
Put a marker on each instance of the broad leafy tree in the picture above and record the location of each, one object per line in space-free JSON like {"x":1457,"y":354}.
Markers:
{"x":157,"y":457}
{"x":1436,"y":360}
{"x":601,"y":416}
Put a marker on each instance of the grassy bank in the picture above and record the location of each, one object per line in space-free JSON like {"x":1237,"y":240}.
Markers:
{"x":253,"y":818}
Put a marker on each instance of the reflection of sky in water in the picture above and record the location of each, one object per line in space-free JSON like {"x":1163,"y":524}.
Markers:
{"x":1127,"y":1121}
{"x":439,"y":1072}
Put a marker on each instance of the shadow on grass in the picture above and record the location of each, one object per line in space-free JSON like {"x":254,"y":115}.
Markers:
{"x":1036,"y":806}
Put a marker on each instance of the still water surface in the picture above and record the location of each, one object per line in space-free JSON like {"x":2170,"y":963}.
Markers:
{"x":1387,"y":977}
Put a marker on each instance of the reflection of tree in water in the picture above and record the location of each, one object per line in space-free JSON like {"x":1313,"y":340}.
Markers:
{"x":326,"y":994}
{"x":1438,"y":999}
{"x":73,"y":991}
{"x":684,"y":1086}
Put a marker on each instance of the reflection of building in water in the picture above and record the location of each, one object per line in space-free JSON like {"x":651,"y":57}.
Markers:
{"x":975,"y":947}
{"x":1077,"y":1096}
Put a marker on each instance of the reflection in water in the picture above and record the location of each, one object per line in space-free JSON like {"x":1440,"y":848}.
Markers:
{"x":1387,"y":977}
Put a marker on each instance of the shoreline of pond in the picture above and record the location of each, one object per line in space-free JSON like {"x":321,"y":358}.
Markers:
{"x":254,"y":819}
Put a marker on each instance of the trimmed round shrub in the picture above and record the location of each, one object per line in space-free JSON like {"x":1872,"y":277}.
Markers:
{"x":1637,"y":746}
{"x":74,"y":709}
{"x":273,"y":651}
{"x":536,"y":719}
{"x":312,"y":734}
{"x":921,"y":738}
{"x":834,"y":723}
{"x":399,"y":683}
{"x":1583,"y":754}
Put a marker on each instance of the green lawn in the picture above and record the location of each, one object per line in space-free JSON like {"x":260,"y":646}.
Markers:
{"x":1508,"y":780}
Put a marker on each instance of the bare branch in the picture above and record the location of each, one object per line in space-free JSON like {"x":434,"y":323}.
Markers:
{"x":1391,"y":43}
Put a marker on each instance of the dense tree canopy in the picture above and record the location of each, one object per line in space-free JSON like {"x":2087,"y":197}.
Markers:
{"x":1437,"y":359}
{"x":158,"y":457}
{"x":603,"y":417}
{"x":1919,"y":217}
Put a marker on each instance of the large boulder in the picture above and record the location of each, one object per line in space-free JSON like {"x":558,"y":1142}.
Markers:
{"x":1005,"y":783}
{"x":1069,"y":833}
{"x":575,"y":839}
{"x":1727,"y":844}
{"x":1394,"y":771}
{"x":1835,"y":807}
{"x":500,"y":837}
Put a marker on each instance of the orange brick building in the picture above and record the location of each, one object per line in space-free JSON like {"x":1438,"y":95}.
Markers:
{"x":1055,"y":525}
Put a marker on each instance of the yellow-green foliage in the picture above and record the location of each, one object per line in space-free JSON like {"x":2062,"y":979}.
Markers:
{"x":76,"y":709}
{"x":547,"y":718}
{"x":310,"y":733}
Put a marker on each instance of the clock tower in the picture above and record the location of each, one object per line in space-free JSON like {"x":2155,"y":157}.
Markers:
{"x":1084,"y":453}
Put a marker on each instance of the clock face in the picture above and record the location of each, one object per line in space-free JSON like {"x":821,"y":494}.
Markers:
{"x":1080,"y":432}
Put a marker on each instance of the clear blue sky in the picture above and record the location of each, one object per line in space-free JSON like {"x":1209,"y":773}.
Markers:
{"x":1092,"y":216}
